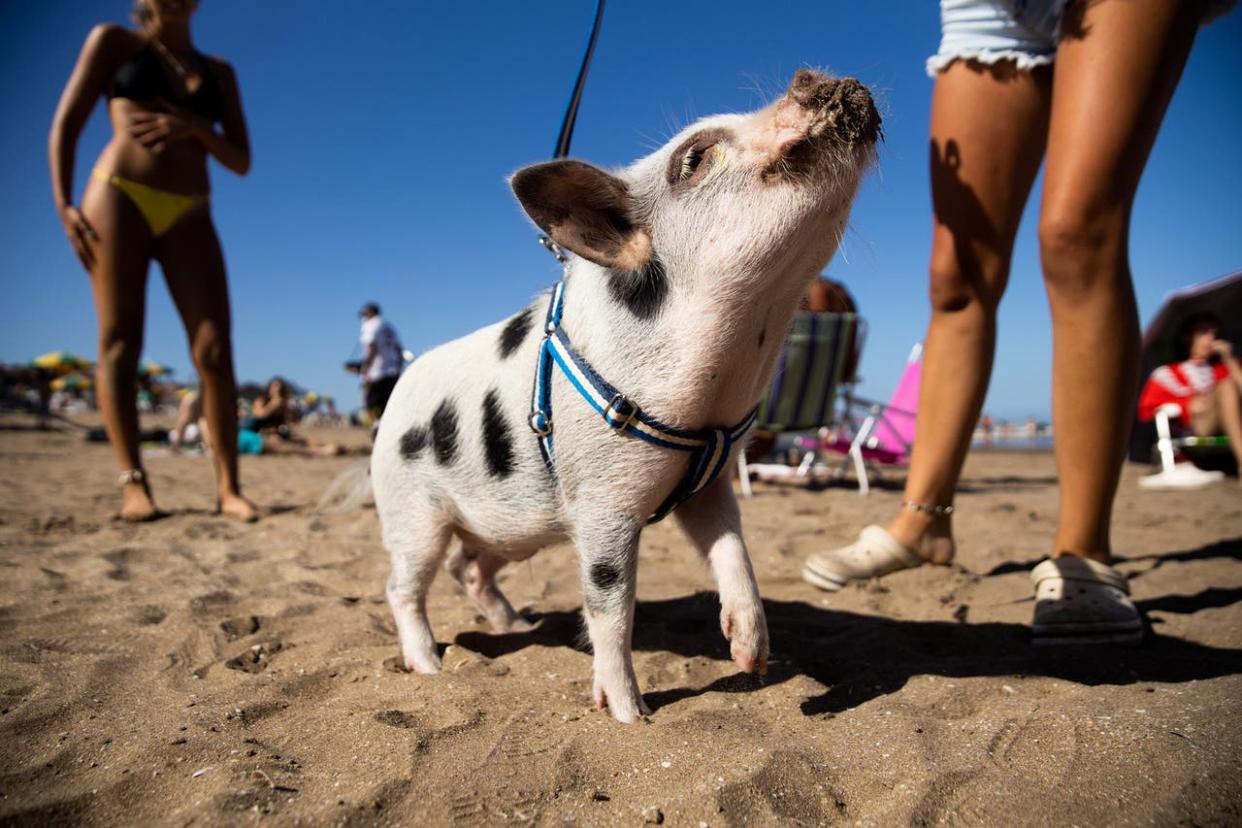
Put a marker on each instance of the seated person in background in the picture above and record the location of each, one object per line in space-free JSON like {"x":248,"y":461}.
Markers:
{"x":1207,"y":385}
{"x":266,"y":431}
{"x":189,"y":412}
{"x":271,"y":410}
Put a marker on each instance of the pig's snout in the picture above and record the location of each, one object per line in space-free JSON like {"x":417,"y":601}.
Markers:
{"x":841,"y":109}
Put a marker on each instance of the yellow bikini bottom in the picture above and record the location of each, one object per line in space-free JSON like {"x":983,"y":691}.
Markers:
{"x":160,"y":208}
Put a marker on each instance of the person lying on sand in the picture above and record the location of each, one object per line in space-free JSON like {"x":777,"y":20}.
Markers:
{"x":269,"y":428}
{"x":191,"y":430}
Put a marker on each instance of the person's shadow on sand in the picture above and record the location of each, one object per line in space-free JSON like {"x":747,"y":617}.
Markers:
{"x":861,"y":657}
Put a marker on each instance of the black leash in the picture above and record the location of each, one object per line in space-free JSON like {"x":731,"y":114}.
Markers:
{"x":571,"y":112}
{"x":571,"y":115}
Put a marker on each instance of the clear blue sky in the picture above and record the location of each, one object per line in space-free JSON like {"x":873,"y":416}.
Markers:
{"x":383,"y":133}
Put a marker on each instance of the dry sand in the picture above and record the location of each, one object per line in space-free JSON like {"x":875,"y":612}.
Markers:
{"x":194,"y":670}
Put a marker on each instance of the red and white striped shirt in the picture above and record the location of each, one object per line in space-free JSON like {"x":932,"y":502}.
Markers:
{"x":1178,"y":383}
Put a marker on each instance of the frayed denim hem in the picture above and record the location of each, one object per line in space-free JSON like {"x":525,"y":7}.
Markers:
{"x":1023,"y":61}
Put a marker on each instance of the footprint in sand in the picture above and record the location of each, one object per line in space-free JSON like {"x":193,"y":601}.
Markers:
{"x":789,"y":789}
{"x":212,"y":602}
{"x":120,"y":563}
{"x":149,"y":615}
{"x":397,"y":718}
{"x":1038,"y":749}
{"x":254,"y":659}
{"x":240,"y":627}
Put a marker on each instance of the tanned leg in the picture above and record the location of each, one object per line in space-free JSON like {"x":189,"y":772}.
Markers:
{"x":194,"y":269}
{"x":119,"y":281}
{"x":1117,"y":66}
{"x":1229,"y":410}
{"x":987,"y":140}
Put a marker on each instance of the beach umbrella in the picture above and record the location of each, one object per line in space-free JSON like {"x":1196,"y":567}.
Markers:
{"x":1222,"y":297}
{"x":63,"y":362}
{"x":151,"y":368}
{"x":71,"y":382}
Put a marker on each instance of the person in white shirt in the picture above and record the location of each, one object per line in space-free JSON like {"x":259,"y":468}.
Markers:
{"x":381,"y":359}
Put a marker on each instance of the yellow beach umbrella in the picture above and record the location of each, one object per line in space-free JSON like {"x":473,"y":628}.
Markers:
{"x":63,"y":362}
{"x":151,"y":368}
{"x":71,"y":382}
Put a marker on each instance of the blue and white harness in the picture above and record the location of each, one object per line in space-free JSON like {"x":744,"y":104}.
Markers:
{"x":708,"y":448}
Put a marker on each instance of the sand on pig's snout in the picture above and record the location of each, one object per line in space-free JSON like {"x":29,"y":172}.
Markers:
{"x":197,"y":670}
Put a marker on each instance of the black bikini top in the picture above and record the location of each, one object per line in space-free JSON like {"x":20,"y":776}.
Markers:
{"x":145,"y":78}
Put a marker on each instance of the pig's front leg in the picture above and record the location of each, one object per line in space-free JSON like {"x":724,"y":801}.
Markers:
{"x":714,"y":525}
{"x":608,"y":555}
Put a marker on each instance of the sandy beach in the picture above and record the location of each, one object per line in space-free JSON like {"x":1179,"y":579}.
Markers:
{"x":198,"y":671}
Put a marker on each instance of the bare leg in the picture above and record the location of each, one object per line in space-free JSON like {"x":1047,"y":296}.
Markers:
{"x":1229,"y":411}
{"x":1117,"y":67}
{"x":194,"y":269}
{"x":987,"y":129}
{"x":1204,"y":414}
{"x":119,"y":283}
{"x":475,"y":570}
{"x":712,"y":522}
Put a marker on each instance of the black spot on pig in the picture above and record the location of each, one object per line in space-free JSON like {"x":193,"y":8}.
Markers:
{"x":413,"y":441}
{"x":641,"y":292}
{"x":604,"y":576}
{"x":497,"y":441}
{"x":444,"y":433}
{"x":514,"y":333}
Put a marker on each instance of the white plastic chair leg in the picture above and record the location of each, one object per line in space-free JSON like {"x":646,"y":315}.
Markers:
{"x":860,"y":469}
{"x":743,"y":474}
{"x":1164,"y":443}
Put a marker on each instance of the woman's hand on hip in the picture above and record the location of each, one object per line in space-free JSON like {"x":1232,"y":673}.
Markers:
{"x":82,"y":237}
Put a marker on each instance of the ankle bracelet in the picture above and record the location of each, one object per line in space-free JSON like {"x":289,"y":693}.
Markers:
{"x":131,"y":476}
{"x":929,"y":508}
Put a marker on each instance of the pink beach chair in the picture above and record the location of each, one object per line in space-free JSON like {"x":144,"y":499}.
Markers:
{"x":885,"y":434}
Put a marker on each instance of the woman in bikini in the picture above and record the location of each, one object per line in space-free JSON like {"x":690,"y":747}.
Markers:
{"x":147,"y":199}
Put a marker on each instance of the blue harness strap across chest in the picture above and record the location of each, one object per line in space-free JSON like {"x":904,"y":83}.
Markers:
{"x":708,"y":448}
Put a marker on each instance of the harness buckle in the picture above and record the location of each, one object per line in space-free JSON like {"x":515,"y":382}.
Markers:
{"x":620,"y":413}
{"x":540,"y":424}
{"x":553,"y":248}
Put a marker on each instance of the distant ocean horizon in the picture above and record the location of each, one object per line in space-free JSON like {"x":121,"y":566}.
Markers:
{"x":1039,"y":442}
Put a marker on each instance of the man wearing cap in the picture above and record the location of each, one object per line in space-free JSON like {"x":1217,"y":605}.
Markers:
{"x":381,"y":359}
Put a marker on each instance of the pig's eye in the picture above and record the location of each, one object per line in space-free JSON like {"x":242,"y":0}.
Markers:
{"x":691,"y":161}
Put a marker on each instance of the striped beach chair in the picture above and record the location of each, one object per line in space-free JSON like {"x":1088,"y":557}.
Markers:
{"x":818,"y":351}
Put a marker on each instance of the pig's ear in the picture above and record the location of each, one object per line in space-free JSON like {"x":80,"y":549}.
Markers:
{"x":584,"y":209}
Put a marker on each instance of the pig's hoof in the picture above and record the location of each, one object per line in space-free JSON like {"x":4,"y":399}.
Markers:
{"x":427,"y":665}
{"x":747,"y":633}
{"x":625,"y":713}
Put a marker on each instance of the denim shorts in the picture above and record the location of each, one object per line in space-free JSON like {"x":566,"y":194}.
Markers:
{"x":1024,"y":31}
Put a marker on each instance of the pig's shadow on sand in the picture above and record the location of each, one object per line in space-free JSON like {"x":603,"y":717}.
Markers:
{"x":861,"y":657}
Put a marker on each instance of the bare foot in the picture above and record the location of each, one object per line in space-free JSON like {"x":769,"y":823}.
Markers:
{"x":136,"y":503}
{"x":238,"y":508}
{"x":931,"y":536}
